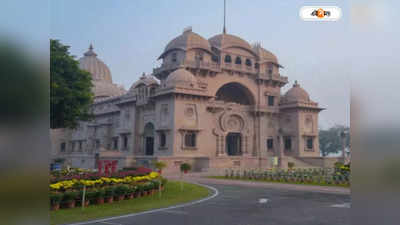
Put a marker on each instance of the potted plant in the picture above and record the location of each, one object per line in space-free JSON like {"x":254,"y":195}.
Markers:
{"x":141,"y":189}
{"x":290,"y":165}
{"x":98,"y":196}
{"x":148,"y":187}
{"x":55,"y":199}
{"x":109,"y":194}
{"x":78,"y":200}
{"x":185,"y":167}
{"x":160,"y":166}
{"x":130,"y":192}
{"x":120,"y":192}
{"x":68,"y":199}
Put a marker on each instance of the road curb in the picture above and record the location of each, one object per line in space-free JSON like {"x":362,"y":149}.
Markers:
{"x":215,"y":194}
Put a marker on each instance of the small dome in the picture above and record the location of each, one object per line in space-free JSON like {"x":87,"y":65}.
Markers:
{"x":187,"y":40}
{"x":104,"y":89}
{"x":264,"y":54}
{"x":296,"y":94}
{"x":96,"y":67}
{"x":144,"y":79}
{"x":222,"y":41}
{"x":181,"y":77}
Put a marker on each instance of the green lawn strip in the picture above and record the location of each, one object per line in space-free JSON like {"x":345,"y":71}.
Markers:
{"x":280,"y":182}
{"x":172,"y":195}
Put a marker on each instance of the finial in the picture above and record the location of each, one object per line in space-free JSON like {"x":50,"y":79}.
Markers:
{"x":224,"y":30}
{"x":90,"y":52}
{"x":296,"y":84}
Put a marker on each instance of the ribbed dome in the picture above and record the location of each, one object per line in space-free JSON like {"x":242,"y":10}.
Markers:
{"x":264,"y":54}
{"x":181,"y":77}
{"x":98,"y":70}
{"x":144,"y":79}
{"x":104,"y":89}
{"x":222,"y":41}
{"x":187,"y":40}
{"x":296,"y":94}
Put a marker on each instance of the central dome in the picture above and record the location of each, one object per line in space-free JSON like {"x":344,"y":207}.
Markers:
{"x":222,"y":41}
{"x":96,"y":67}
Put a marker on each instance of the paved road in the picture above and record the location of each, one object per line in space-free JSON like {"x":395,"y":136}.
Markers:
{"x":241,"y":205}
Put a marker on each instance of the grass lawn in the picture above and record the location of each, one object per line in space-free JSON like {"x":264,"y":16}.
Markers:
{"x":172,"y":195}
{"x":268,"y":181}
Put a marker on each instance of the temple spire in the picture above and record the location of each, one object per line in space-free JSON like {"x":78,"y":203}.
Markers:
{"x":224,"y":30}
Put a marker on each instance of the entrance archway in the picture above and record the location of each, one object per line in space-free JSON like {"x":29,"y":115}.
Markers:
{"x":234,"y":144}
{"x":235,"y":92}
{"x":149,"y":139}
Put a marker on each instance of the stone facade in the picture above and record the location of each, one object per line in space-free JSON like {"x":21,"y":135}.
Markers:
{"x":214,"y":103}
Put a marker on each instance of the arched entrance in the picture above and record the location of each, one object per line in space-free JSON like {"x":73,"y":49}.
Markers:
{"x":149,"y":139}
{"x":234,"y":144}
{"x":235,"y":92}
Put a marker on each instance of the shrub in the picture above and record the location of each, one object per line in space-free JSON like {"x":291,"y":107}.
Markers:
{"x":121,"y":190}
{"x":70,"y":196}
{"x":140,"y":187}
{"x":160,"y":165}
{"x":55,"y":198}
{"x":99,"y":193}
{"x":109,"y":192}
{"x":131,"y":190}
{"x":185,"y":167}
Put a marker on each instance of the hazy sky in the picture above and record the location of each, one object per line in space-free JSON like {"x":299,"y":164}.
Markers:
{"x":130,"y":35}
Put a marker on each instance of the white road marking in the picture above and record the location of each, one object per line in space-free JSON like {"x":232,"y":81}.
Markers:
{"x":344,"y":205}
{"x":263,"y":200}
{"x":216,"y":193}
{"x":176,"y":212}
{"x":111,"y":223}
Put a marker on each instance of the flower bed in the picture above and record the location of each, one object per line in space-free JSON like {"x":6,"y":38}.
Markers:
{"x":66,"y":189}
{"x":321,"y":176}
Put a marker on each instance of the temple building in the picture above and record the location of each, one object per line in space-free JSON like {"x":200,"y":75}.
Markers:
{"x":215,"y":103}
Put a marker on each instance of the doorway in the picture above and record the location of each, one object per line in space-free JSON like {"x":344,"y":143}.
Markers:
{"x":149,"y":145}
{"x":149,"y":139}
{"x":234,"y":144}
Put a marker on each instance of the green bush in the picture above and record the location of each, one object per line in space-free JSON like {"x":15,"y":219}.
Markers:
{"x":109,"y":192}
{"x":70,"y":196}
{"x":99,"y":193}
{"x":55,"y":198}
{"x":121,"y":190}
{"x":185,"y":167}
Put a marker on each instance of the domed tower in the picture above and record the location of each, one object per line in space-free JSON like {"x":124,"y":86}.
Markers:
{"x":144,"y":88}
{"x":101,"y":76}
{"x":189,"y":50}
{"x":299,"y":123}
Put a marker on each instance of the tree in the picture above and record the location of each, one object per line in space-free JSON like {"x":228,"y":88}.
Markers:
{"x":330,"y":140}
{"x":70,"y":89}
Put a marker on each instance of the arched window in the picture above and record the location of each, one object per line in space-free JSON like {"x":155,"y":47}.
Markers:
{"x":238,"y":60}
{"x":228,"y":59}
{"x":248,"y":62}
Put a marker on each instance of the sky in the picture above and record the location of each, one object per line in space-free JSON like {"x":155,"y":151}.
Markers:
{"x":130,"y":35}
